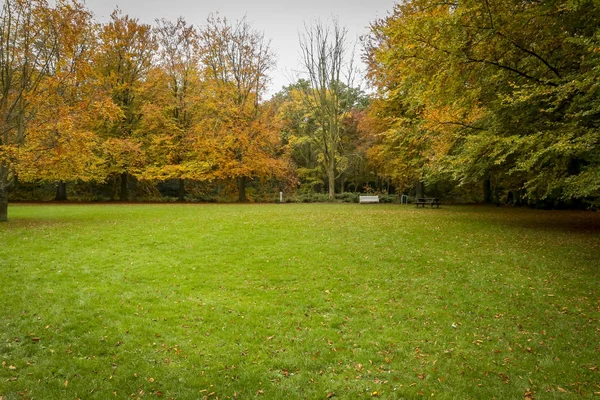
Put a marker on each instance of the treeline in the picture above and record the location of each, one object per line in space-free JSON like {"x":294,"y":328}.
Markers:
{"x":498,"y":94}
{"x":483,"y":100}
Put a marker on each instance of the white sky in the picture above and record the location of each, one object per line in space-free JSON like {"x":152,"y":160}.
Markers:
{"x":279,"y":20}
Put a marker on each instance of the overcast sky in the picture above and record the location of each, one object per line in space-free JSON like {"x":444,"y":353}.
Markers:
{"x":279,"y":20}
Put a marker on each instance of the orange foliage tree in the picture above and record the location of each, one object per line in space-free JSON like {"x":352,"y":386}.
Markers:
{"x":123,"y":61}
{"x":173,"y":104}
{"x":62,"y":144}
{"x":238,"y":136}
{"x":46,"y":111}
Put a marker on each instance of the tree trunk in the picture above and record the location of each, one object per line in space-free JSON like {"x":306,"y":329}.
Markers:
{"x":3,"y":204}
{"x":61,"y":191}
{"x":331,"y":179}
{"x":420,"y":189}
{"x":5,"y":186}
{"x":487,"y":191}
{"x":124,"y":196}
{"x":241,"y":182}
{"x":181,"y":190}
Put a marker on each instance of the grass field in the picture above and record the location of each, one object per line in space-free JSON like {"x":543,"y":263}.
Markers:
{"x":298,"y":301}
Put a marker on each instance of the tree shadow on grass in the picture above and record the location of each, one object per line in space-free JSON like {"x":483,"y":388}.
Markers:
{"x":585,"y":222}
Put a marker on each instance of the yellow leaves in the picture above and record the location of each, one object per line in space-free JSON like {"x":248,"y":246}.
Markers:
{"x":123,"y":154}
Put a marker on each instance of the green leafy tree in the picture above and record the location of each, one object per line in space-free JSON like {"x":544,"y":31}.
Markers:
{"x":495,"y":92}
{"x":327,"y":64}
{"x":301,"y":121}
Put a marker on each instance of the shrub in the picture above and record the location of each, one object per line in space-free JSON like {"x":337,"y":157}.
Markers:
{"x":347,"y":197}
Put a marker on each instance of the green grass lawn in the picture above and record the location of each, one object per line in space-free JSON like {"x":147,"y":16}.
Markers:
{"x":298,"y":301}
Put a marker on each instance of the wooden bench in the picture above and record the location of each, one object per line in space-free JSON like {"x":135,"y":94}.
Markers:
{"x":368,"y":199}
{"x":422,"y":201}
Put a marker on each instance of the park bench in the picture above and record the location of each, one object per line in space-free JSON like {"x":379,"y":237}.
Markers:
{"x":422,"y":201}
{"x":368,"y":199}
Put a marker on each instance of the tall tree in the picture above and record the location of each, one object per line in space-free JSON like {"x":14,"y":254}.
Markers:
{"x":327,"y":67}
{"x":172,"y":105}
{"x":302,"y":129}
{"x":62,"y":144}
{"x":495,"y":92}
{"x":27,"y":45}
{"x":236,"y":59}
{"x":124,"y":59}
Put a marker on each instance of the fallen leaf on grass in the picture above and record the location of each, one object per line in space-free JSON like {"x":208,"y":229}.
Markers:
{"x":12,"y":367}
{"x":561,"y":389}
{"x":329,"y":395}
{"x":66,"y":383}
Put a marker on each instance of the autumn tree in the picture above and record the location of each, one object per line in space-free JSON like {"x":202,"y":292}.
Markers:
{"x":494,"y":92}
{"x":238,"y":135}
{"x":124,"y":59}
{"x":329,"y":69}
{"x":172,"y":105}
{"x":62,"y":144}
{"x":27,"y":46}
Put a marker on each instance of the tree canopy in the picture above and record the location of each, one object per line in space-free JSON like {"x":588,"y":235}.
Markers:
{"x":481,"y":100}
{"x":503,"y":92}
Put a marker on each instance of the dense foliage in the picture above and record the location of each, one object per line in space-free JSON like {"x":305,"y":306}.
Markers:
{"x":477,"y":100}
{"x":503,"y":93}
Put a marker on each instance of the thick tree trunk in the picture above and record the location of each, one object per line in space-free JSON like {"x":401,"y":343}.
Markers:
{"x":3,"y":204}
{"x":241,"y":182}
{"x":420,"y":189}
{"x":487,"y":191}
{"x":124,"y":196}
{"x":5,"y":185}
{"x":61,"y":191}
{"x":181,"y":190}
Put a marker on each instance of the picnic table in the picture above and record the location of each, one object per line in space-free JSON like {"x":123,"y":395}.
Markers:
{"x":432,"y":201}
